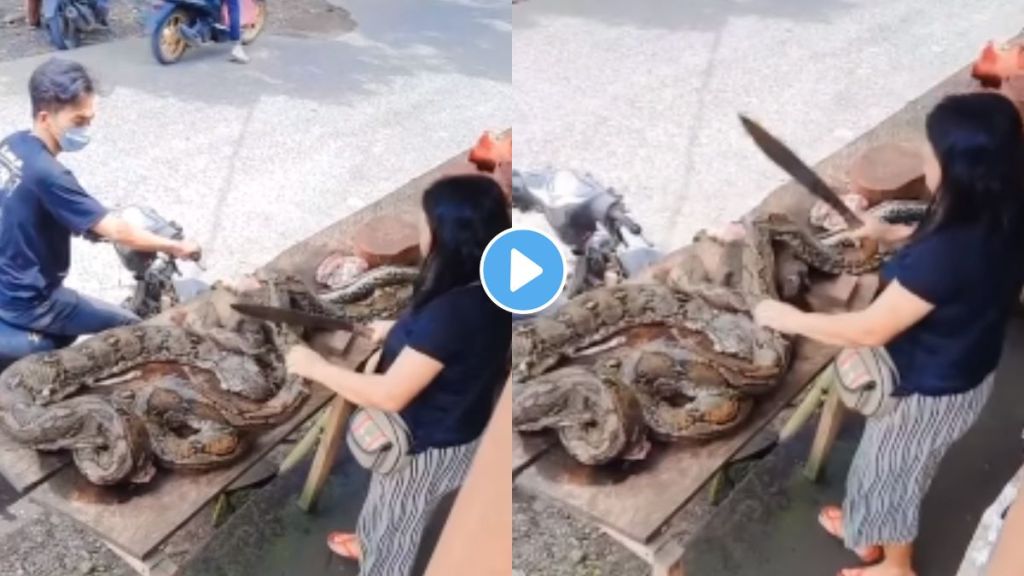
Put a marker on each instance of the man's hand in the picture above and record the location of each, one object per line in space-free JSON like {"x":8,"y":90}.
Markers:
{"x":187,"y":250}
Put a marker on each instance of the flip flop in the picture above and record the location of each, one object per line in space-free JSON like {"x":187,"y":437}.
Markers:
{"x":345,"y":545}
{"x":831,"y":519}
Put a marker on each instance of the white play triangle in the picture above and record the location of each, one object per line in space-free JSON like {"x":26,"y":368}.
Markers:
{"x":522,"y":271}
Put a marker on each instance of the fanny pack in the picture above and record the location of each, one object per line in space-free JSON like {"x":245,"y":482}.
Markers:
{"x":379,"y":441}
{"x":865,"y":380}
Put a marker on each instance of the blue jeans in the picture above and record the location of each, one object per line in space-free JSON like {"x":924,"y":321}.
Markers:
{"x":55,"y":323}
{"x":235,"y":17}
{"x":68,"y":313}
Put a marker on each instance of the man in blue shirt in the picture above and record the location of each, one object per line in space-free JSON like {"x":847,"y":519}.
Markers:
{"x":42,"y":205}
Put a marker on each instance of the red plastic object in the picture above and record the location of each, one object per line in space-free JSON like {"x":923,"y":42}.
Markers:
{"x":995,"y":64}
{"x":490,"y":151}
{"x":249,"y":12}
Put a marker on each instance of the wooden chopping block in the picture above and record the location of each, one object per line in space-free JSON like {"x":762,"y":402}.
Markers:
{"x":387,"y":240}
{"x":890,"y":171}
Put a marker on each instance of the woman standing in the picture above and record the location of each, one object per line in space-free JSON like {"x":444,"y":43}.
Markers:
{"x":942,"y":315}
{"x":442,"y":366}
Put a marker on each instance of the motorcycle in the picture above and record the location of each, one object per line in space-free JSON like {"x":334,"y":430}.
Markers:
{"x":156,"y":289}
{"x":177,"y":25}
{"x":67,"y":20}
{"x":591,"y":220}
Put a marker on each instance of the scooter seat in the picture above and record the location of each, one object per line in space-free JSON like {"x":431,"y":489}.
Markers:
{"x":18,"y":342}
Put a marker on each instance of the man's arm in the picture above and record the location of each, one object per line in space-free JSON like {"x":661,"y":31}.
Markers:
{"x":122,"y":232}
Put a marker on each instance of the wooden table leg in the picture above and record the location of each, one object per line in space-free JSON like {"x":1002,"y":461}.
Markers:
{"x":330,"y":442}
{"x":674,"y":568}
{"x":326,"y":452}
{"x":825,"y":437}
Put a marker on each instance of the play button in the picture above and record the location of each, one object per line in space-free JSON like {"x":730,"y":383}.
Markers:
{"x":522,"y":270}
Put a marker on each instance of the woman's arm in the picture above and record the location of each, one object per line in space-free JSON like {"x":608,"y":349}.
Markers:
{"x":392,"y":391}
{"x":1008,"y":556}
{"x":895,"y":310}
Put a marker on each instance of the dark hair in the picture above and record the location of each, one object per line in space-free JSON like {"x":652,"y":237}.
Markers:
{"x":978,"y":139}
{"x":57,"y":84}
{"x":464,"y":214}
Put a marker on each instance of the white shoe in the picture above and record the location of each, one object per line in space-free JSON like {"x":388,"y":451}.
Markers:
{"x":238,"y":54}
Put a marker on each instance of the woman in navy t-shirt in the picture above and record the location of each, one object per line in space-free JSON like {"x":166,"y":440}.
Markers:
{"x":442,"y":365}
{"x":942,"y":315}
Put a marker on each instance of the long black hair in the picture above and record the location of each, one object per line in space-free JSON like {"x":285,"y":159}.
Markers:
{"x":978,"y":139}
{"x":464,"y":214}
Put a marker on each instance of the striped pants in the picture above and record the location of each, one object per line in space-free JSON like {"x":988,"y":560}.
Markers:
{"x":398,"y":506}
{"x":896,"y":461}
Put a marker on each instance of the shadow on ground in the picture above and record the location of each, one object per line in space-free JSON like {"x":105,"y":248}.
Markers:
{"x":694,"y":15}
{"x":272,"y":536}
{"x":768,"y":525}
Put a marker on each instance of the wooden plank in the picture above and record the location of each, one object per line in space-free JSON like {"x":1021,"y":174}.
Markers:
{"x":138,"y":519}
{"x":637,"y":500}
{"x":330,"y":444}
{"x":23,"y":468}
{"x":825,"y":437}
{"x":528,"y":447}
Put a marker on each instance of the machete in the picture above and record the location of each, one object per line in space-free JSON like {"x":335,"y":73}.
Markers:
{"x":788,"y":161}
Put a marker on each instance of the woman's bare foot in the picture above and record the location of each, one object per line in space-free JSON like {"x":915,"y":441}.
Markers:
{"x":883,"y":569}
{"x":345,"y":545}
{"x":831,"y":519}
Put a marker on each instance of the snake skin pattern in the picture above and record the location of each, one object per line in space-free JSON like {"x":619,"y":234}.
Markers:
{"x":699,"y":364}
{"x":65,"y":399}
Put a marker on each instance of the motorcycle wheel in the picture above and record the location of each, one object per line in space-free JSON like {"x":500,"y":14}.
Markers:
{"x":252,"y":31}
{"x":166,"y":42}
{"x":63,"y":34}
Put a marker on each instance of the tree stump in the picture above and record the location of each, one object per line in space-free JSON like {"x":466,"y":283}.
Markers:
{"x":889,"y":171}
{"x":387,"y":240}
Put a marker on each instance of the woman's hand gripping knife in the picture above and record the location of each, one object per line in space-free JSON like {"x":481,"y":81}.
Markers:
{"x":892,"y":312}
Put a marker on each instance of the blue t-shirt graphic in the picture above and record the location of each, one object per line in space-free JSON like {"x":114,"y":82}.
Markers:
{"x":41,"y":206}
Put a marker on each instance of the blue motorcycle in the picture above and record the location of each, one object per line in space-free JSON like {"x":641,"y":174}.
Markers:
{"x":177,"y":25}
{"x":67,"y":20}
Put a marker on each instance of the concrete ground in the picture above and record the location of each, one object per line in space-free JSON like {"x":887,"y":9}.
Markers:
{"x":645,"y":94}
{"x":768,"y":525}
{"x":251,"y":159}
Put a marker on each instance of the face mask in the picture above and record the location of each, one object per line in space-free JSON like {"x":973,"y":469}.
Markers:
{"x":74,"y":139}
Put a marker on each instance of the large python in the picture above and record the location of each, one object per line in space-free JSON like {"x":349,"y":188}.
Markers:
{"x":694,"y":373}
{"x":116,"y":430}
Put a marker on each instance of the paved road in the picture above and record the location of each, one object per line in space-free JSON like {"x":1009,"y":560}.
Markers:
{"x":252,"y":159}
{"x":644,"y":94}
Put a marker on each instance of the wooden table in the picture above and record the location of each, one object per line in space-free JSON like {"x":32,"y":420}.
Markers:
{"x":636,"y":505}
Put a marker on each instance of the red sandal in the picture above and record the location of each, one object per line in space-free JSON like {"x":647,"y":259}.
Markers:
{"x":831,"y":519}
{"x":345,"y":545}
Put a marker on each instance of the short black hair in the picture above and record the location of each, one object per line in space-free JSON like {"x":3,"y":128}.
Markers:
{"x":57,"y":84}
